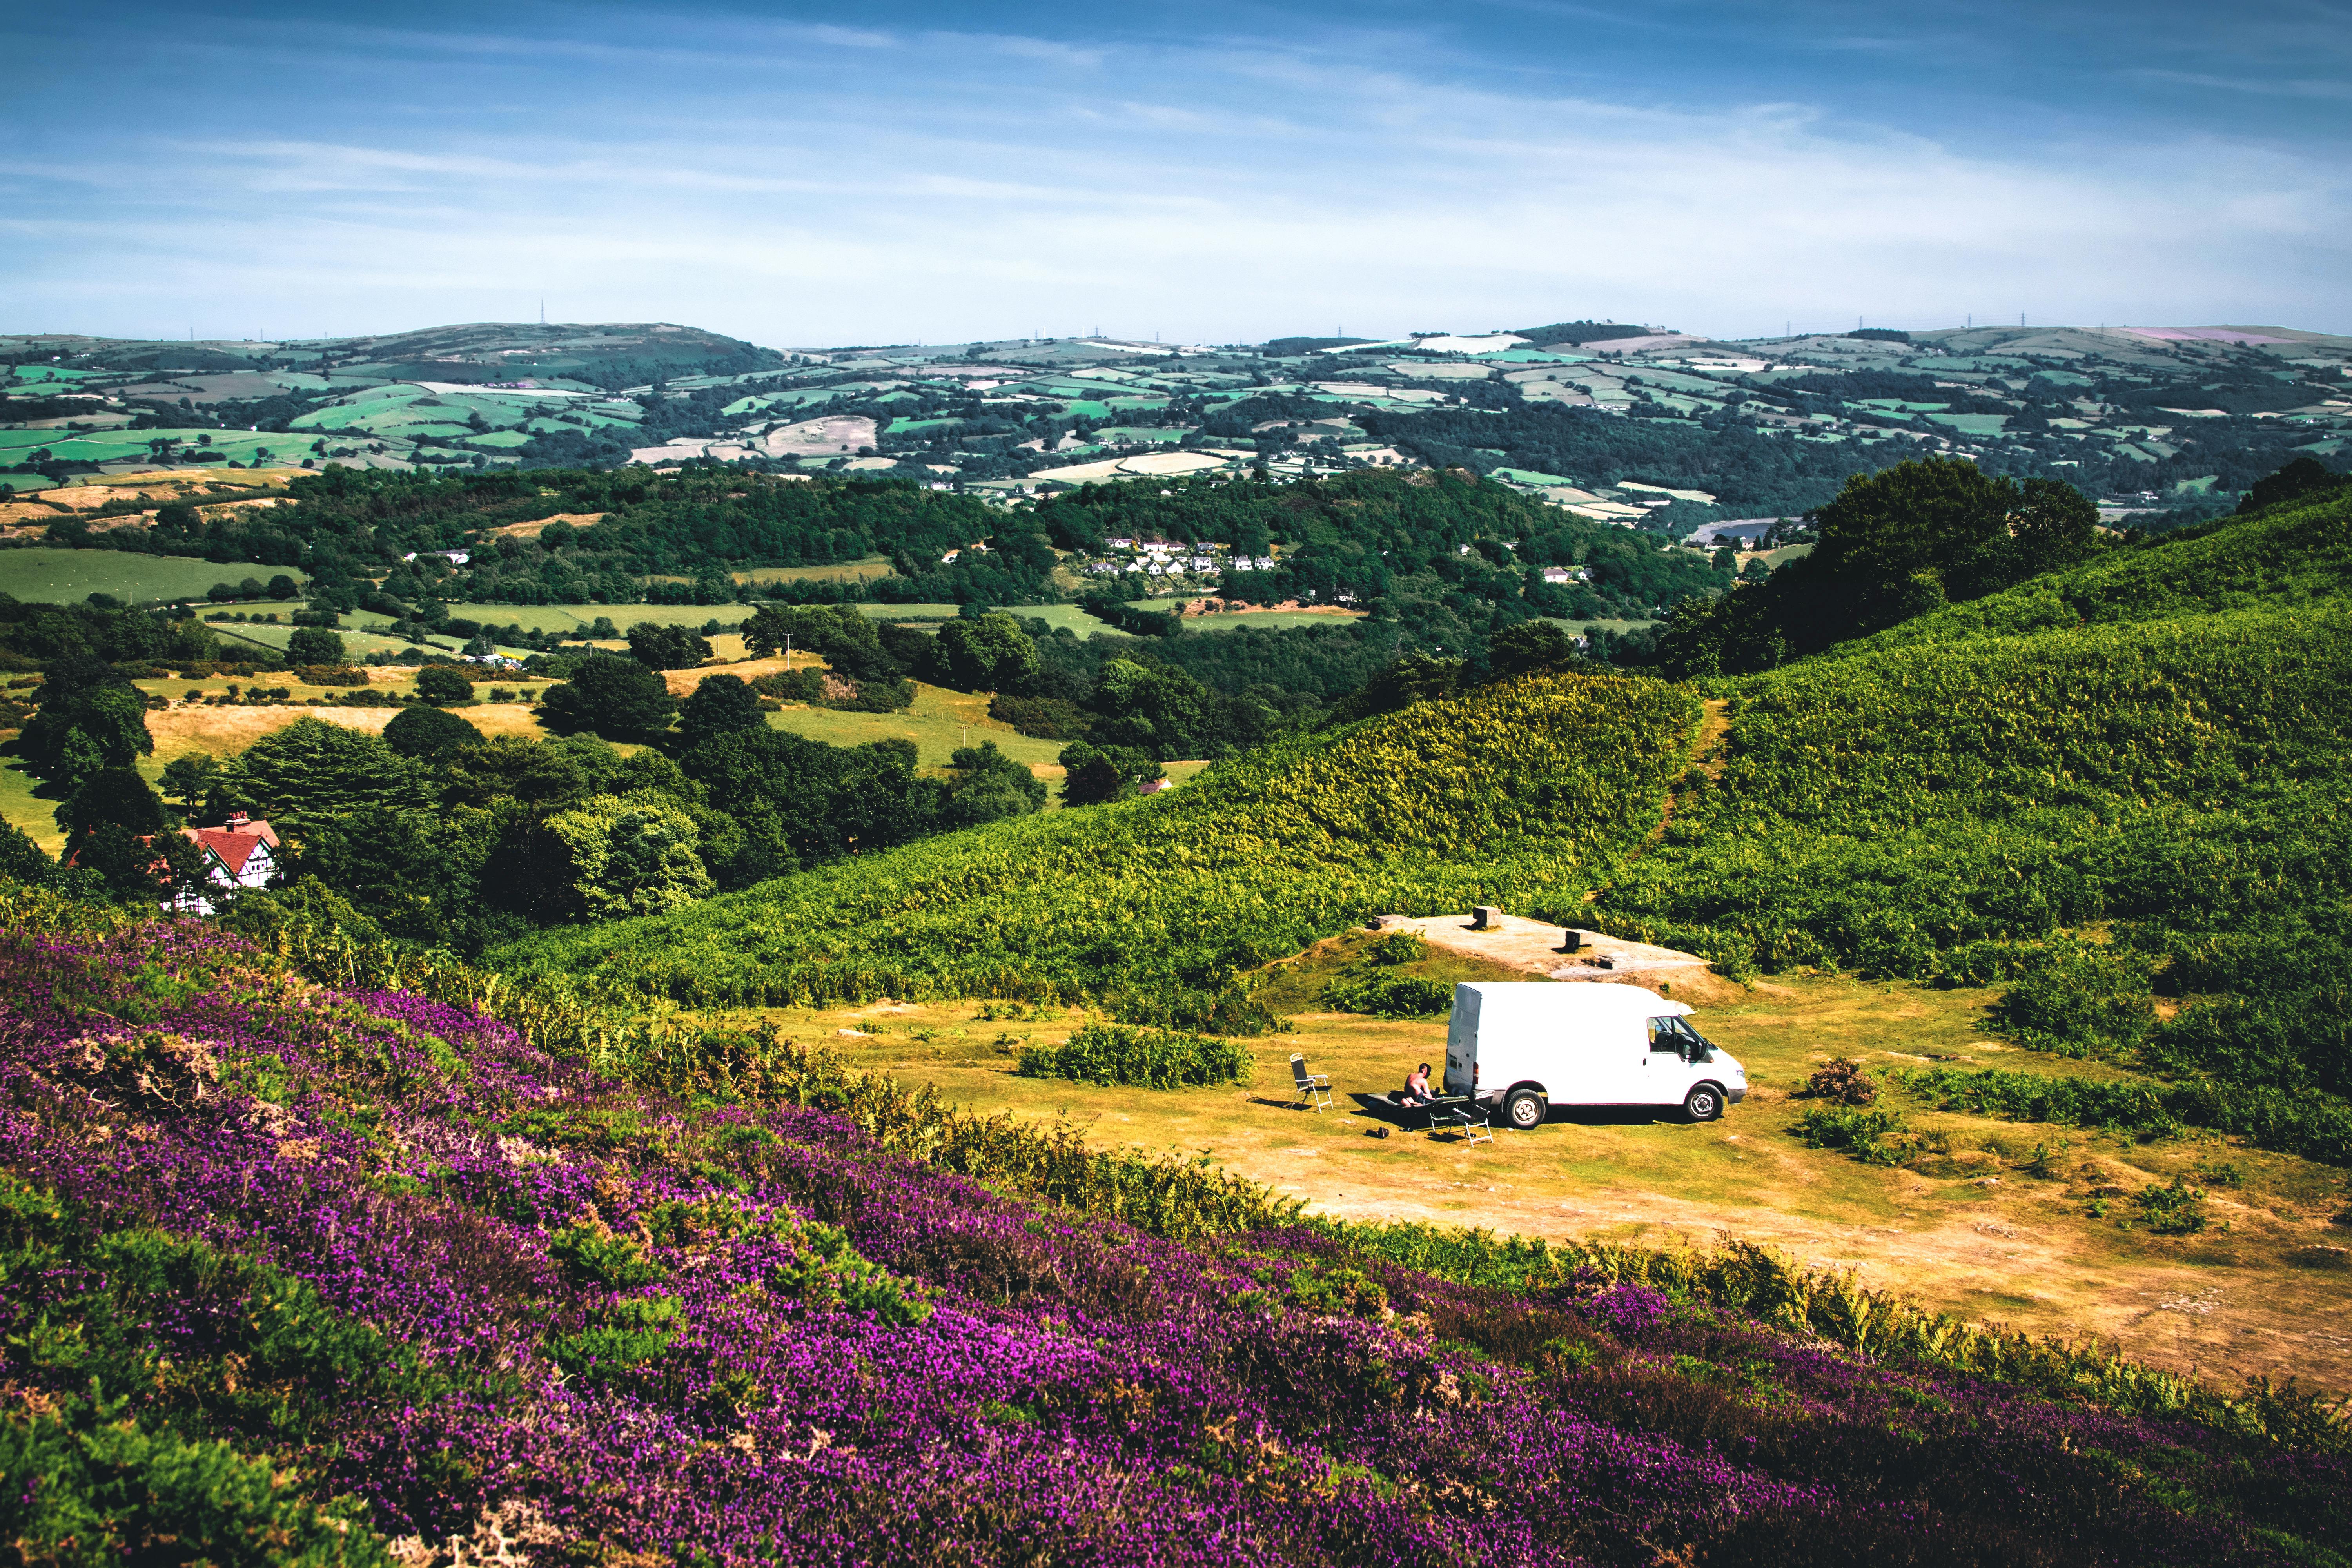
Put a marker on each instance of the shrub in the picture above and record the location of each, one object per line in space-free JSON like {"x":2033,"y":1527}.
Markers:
{"x":1861,"y":1133}
{"x":1388,"y":995}
{"x":1112,"y":1054}
{"x":1842,"y":1081}
{"x":2176,"y":1209}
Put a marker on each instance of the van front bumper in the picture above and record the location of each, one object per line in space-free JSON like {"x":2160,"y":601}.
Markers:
{"x":1736,"y":1093}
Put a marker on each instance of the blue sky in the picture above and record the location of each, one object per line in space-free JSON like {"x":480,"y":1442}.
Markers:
{"x":804,"y":175}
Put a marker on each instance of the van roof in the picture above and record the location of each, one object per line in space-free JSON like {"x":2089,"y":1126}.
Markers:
{"x":1551,"y":996}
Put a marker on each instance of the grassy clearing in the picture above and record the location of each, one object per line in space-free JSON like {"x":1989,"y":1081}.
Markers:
{"x":1975,"y":1232}
{"x":358,"y":641}
{"x":937,"y":721}
{"x":69,"y":576}
{"x":839,"y":572}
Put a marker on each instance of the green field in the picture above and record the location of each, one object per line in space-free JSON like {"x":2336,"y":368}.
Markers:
{"x":938,"y":721}
{"x":576,"y":617}
{"x":908,"y":612}
{"x":839,"y":572}
{"x":358,"y":641}
{"x":1070,"y":615}
{"x":102,"y":447}
{"x":68,"y":576}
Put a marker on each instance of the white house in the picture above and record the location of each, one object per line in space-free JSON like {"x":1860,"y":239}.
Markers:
{"x":240,"y":854}
{"x":1565,"y":573}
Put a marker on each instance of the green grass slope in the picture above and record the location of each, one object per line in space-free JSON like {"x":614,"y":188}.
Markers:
{"x":2287,"y":555}
{"x":1529,"y":792}
{"x":2139,"y":817}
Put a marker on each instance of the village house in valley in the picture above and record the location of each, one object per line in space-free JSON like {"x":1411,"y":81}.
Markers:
{"x":241,"y":853}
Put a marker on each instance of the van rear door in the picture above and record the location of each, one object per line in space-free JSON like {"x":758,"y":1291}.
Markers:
{"x":1462,"y":1041}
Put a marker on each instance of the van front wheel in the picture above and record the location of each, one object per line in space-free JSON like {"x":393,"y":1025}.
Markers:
{"x":1524,"y":1111}
{"x":1704,"y":1103}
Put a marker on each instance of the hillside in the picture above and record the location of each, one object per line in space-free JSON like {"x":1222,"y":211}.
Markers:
{"x":1532,"y":790}
{"x":2137,"y":813}
{"x":368,"y":1278}
{"x":2288,"y":555}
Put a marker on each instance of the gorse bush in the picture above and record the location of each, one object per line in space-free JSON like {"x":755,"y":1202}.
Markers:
{"x":1111,"y":1054}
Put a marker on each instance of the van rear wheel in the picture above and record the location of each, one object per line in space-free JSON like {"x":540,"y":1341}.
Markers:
{"x":1524,"y":1111}
{"x":1704,"y":1103}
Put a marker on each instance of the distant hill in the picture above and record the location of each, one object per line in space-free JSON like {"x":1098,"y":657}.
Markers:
{"x":1666,"y":432}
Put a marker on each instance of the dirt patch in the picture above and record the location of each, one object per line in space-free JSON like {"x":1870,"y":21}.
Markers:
{"x":1533,"y":947}
{"x":833,"y":436}
{"x":530,"y":529}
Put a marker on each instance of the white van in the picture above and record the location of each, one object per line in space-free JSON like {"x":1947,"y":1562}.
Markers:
{"x":1522,"y":1046}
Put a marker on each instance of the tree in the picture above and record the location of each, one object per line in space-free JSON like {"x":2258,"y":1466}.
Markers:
{"x":444,"y":685}
{"x":312,"y":771}
{"x":1151,"y":708}
{"x":2305,"y":476}
{"x":619,"y":699}
{"x":989,"y":654}
{"x":116,"y":795}
{"x":851,"y":645}
{"x":667,"y":648}
{"x":1532,"y":646}
{"x":414,"y":871}
{"x":989,"y":785}
{"x":1893,"y":544}
{"x":126,"y":864}
{"x":1094,"y":774}
{"x":429,"y":734}
{"x":314,"y":645}
{"x":282,"y":587}
{"x":187,"y":777}
{"x":21,"y":860}
{"x":83,"y":698}
{"x":630,"y":855}
{"x":721,"y":704}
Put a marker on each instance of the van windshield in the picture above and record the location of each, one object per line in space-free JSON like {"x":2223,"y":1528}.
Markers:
{"x":1676,"y":1035}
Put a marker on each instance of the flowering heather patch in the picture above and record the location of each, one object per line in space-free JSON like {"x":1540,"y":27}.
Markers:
{"x":347,"y":1276}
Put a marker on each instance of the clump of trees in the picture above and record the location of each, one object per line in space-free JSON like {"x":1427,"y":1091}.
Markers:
{"x":1893,"y":544}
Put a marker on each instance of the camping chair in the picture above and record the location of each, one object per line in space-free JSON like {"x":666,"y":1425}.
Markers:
{"x":1467,"y":1117}
{"x":1314,"y":1087}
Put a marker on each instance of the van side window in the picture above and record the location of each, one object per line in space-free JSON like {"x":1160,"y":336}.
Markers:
{"x":1665,"y":1036}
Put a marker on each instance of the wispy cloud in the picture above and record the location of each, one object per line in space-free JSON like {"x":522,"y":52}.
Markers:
{"x":801,"y":180}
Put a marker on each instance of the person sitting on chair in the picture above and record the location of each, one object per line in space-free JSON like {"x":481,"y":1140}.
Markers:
{"x":1416,"y":1087}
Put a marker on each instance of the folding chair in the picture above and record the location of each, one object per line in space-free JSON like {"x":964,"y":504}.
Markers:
{"x":1469,"y":1117}
{"x":1314,"y":1087}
